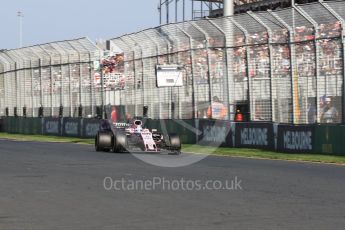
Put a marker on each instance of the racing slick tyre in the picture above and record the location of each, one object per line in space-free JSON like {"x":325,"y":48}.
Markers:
{"x":175,"y":144}
{"x":120,"y":143}
{"x":103,"y":141}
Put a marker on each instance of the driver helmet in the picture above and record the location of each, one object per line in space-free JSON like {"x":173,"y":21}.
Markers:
{"x":138,"y":129}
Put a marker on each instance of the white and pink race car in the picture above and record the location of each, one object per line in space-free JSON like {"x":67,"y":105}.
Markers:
{"x":133,"y":137}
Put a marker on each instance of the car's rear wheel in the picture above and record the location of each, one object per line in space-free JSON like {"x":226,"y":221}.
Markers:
{"x":97,"y":148}
{"x":103,"y":141}
{"x":174,"y":144}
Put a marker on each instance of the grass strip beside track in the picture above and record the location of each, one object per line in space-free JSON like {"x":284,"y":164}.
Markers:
{"x":265,"y":154}
{"x":41,"y":138}
{"x":219,"y":151}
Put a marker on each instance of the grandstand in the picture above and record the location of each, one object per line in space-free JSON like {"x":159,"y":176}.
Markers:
{"x":214,"y":8}
{"x":284,"y":66}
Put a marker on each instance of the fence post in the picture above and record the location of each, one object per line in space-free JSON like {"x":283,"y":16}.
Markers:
{"x":80,"y":86}
{"x":136,"y":74}
{"x":169,"y":53}
{"x":246,"y":36}
{"x":70,"y":88}
{"x":173,"y":112}
{"x":270,"y":35}
{"x":51,"y":85}
{"x":80,"y":79}
{"x":91,"y":84}
{"x":32,"y":89}
{"x":2,"y":95}
{"x":60,"y":74}
{"x":342,"y":22}
{"x":226,"y":66}
{"x":136,"y":79}
{"x":13,"y":75}
{"x":16,"y":86}
{"x":143,"y":76}
{"x":194,"y":105}
{"x":41,"y":88}
{"x":51,"y":81}
{"x":206,"y":43}
{"x":317,"y":56}
{"x":136,"y":85}
{"x":1,"y":90}
{"x":292,"y":58}
{"x":24,"y":89}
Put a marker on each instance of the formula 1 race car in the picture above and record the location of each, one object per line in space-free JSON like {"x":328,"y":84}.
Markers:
{"x":132,"y":137}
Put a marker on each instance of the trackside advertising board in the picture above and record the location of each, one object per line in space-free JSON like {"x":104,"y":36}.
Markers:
{"x":51,"y":126}
{"x":254,"y":135}
{"x":295,"y":139}
{"x":71,"y":127}
{"x":90,"y":127}
{"x":215,"y":133}
{"x":330,"y":139}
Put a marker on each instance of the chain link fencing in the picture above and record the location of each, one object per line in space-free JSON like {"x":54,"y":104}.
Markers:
{"x":284,"y":66}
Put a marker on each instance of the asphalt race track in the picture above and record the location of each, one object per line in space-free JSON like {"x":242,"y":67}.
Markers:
{"x":61,"y":186}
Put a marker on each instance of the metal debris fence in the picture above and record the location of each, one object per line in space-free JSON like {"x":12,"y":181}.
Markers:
{"x":284,"y":66}
{"x":49,"y":76}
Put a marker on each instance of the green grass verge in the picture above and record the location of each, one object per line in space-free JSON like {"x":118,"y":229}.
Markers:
{"x":264,"y":154}
{"x":235,"y":152}
{"x":41,"y":138}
